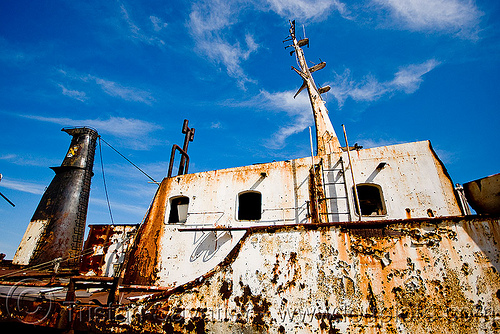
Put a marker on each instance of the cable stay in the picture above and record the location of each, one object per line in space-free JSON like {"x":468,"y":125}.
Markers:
{"x":124,"y":157}
{"x":104,"y":181}
{"x":4,"y":197}
{"x":104,"y":175}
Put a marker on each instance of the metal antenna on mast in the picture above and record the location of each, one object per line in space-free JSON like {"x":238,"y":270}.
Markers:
{"x":326,"y":139}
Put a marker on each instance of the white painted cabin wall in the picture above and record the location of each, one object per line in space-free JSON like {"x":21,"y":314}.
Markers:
{"x":412,"y":178}
{"x":213,"y":201}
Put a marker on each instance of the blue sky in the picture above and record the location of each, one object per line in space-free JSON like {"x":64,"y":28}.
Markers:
{"x":400,"y":71}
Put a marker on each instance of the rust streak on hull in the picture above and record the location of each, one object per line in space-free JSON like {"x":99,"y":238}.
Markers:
{"x":141,"y":267}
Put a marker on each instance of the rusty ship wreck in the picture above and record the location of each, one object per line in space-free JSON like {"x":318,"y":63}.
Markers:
{"x":348,"y":240}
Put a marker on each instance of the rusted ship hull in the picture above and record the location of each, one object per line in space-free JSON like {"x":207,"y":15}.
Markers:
{"x":405,"y":276}
{"x":484,"y":194}
{"x":350,"y":240}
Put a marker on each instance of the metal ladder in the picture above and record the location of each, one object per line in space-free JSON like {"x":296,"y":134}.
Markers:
{"x":336,"y":193}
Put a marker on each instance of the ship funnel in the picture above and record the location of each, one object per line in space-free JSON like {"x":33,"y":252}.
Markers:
{"x":55,"y":233}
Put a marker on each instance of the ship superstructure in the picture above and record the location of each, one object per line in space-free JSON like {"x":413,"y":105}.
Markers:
{"x":349,"y":240}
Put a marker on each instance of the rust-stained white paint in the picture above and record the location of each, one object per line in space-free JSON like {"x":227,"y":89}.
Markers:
{"x":188,"y":255}
{"x":29,"y":242}
{"x":412,"y":178}
{"x":290,"y":272}
{"x":213,"y":195}
{"x":308,"y":263}
{"x":108,"y":249}
{"x":213,"y":202}
{"x":418,"y":277}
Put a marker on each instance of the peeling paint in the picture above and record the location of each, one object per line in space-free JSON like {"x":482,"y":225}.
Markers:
{"x":300,"y":259}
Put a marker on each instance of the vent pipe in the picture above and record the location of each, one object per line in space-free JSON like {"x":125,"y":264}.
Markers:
{"x":56,"y":231}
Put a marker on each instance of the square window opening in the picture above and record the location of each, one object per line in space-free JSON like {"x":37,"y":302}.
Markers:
{"x":178,"y":210}
{"x":371,"y":200}
{"x":250,"y":206}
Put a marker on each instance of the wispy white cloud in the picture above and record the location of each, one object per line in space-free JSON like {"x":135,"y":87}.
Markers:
{"x":125,"y":171}
{"x":74,"y":94}
{"x":216,"y":125}
{"x":284,"y":101}
{"x":306,"y":9}
{"x":24,"y":186}
{"x":27,"y":160}
{"x":116,"y":206}
{"x":230,"y":55}
{"x":297,"y":109}
{"x":278,"y":140}
{"x":111,"y":88}
{"x":407,"y":79}
{"x":446,"y":156}
{"x":8,"y":156}
{"x":115,"y":89}
{"x":458,"y":17}
{"x":212,"y":23}
{"x":158,"y":23}
{"x":207,"y":23}
{"x":138,"y":34}
{"x":136,"y":133}
{"x":377,"y":142}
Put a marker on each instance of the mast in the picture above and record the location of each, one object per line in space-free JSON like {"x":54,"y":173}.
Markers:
{"x":326,"y":138}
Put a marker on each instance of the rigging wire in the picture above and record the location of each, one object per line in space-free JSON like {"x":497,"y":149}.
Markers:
{"x":104,"y":181}
{"x":48,"y":264}
{"x":124,"y":157}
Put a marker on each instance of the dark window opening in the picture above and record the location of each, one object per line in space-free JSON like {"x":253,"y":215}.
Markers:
{"x":371,"y":201}
{"x":178,"y":210}
{"x":250,"y":206}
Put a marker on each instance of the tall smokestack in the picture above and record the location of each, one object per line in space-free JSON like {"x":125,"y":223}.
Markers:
{"x":58,"y":224}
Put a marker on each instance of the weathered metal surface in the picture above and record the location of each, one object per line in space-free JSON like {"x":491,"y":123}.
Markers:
{"x":414,"y":276}
{"x":436,"y":275}
{"x":142,"y":261}
{"x":484,"y":194}
{"x":412,"y":180}
{"x":30,"y":240}
{"x":279,"y":248}
{"x":462,"y":200}
{"x":299,"y":267}
{"x":317,"y":203}
{"x":60,"y":216}
{"x":165,"y":256}
{"x":105,"y":249}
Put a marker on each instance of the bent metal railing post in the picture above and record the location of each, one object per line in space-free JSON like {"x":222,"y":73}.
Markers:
{"x":171,"y":164}
{"x":184,"y":164}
